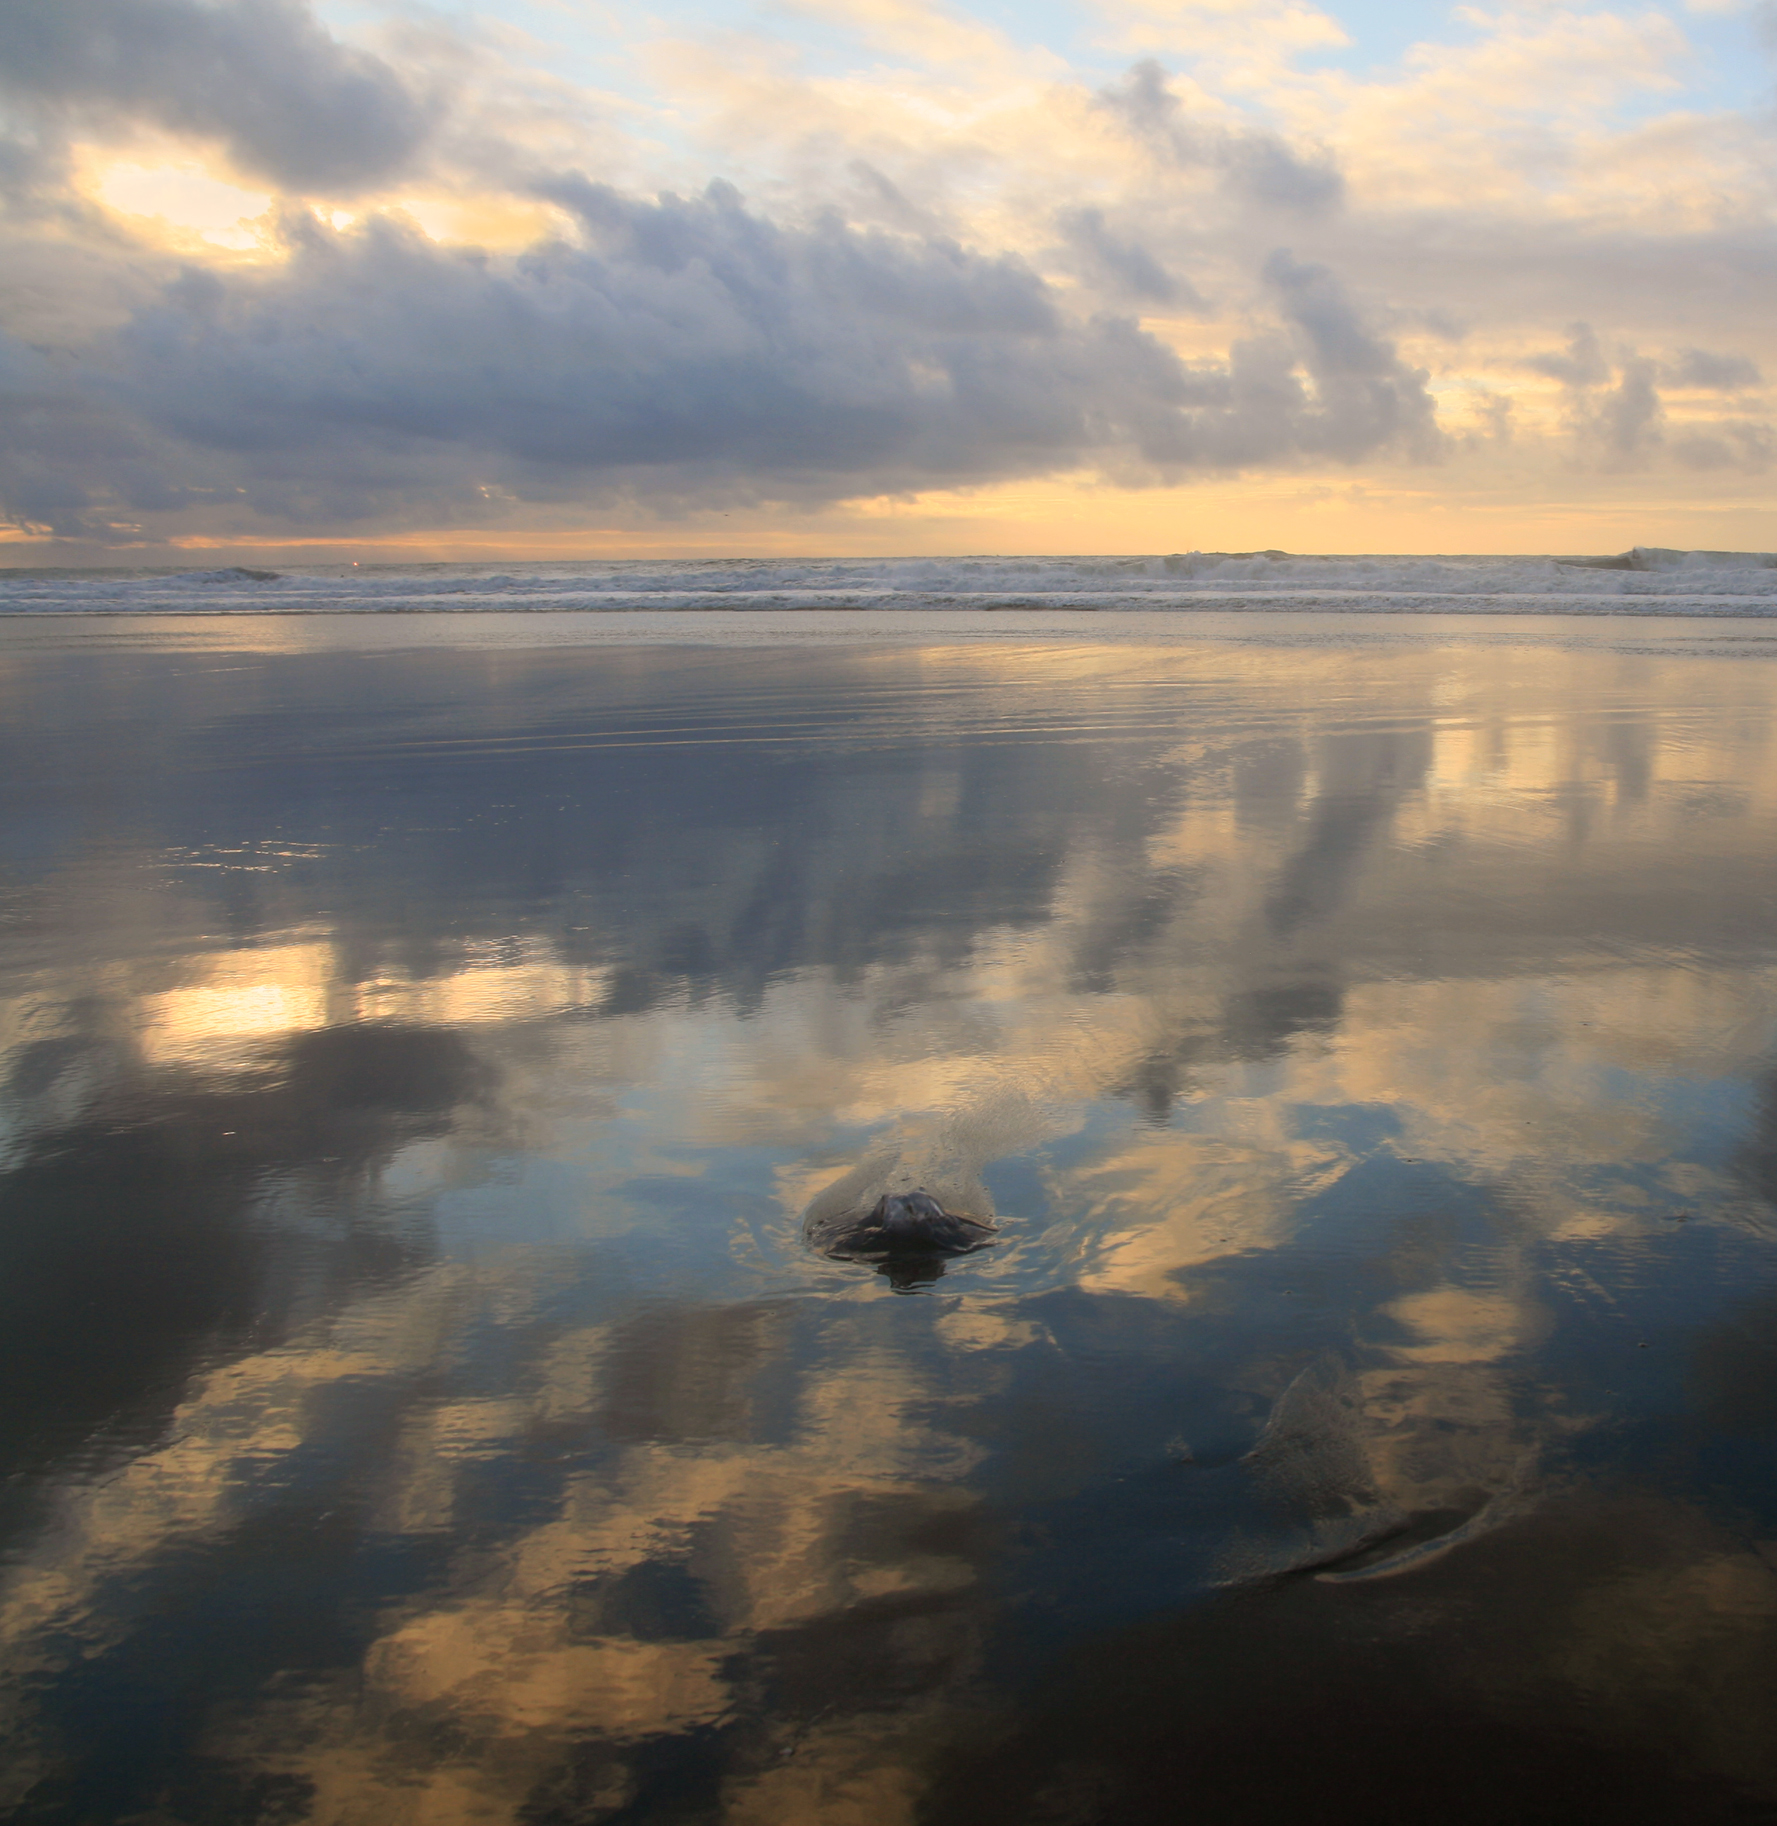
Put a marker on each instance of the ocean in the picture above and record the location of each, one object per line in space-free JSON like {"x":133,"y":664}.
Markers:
{"x":1645,"y":581}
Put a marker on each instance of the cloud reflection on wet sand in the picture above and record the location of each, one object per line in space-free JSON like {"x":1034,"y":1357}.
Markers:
{"x":1291,"y":1007}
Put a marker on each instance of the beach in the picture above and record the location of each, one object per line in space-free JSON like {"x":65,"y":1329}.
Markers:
{"x":888,"y":914}
{"x":426,"y":1035}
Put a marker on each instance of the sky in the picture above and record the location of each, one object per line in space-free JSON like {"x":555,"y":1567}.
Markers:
{"x":346,"y":279}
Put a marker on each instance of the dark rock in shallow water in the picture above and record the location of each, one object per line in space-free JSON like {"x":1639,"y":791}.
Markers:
{"x":900,"y":1225}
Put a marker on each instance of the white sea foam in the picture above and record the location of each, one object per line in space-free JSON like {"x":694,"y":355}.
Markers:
{"x":1647,"y":581}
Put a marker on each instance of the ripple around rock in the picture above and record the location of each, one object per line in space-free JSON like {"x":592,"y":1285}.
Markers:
{"x":902,"y":1225}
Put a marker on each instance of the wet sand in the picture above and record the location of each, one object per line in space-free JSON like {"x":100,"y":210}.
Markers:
{"x":424,"y":1040}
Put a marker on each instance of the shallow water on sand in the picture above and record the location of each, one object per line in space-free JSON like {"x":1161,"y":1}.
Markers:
{"x":418,"y":1403}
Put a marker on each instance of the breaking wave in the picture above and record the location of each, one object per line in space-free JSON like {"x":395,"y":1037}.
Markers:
{"x":1647,"y":580}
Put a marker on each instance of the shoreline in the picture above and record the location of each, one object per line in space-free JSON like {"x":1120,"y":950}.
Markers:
{"x":274,"y":631}
{"x":1246,"y":602}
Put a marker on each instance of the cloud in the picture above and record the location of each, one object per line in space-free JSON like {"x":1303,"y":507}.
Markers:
{"x":682,"y":347}
{"x":1748,"y":447}
{"x":1626,"y":423}
{"x":1721,"y":373}
{"x":906,"y":302}
{"x":260,"y":77}
{"x":1368,"y":399}
{"x":1256,"y":166}
{"x":1628,"y":418}
{"x":1582,"y":364}
{"x":1126,"y":265}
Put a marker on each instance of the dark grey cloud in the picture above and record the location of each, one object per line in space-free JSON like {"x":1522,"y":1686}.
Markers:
{"x":1367,"y":398}
{"x":20,"y":164}
{"x":1624,"y":423}
{"x":1125,"y":263}
{"x":66,"y":451}
{"x":1718,"y":373}
{"x":1581,"y":364}
{"x":1628,"y":416}
{"x":1256,"y":166}
{"x":685,"y":348}
{"x":1742,"y":445}
{"x":1262,"y":168}
{"x":876,"y":197}
{"x":288,"y":102}
{"x":1495,"y":411}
